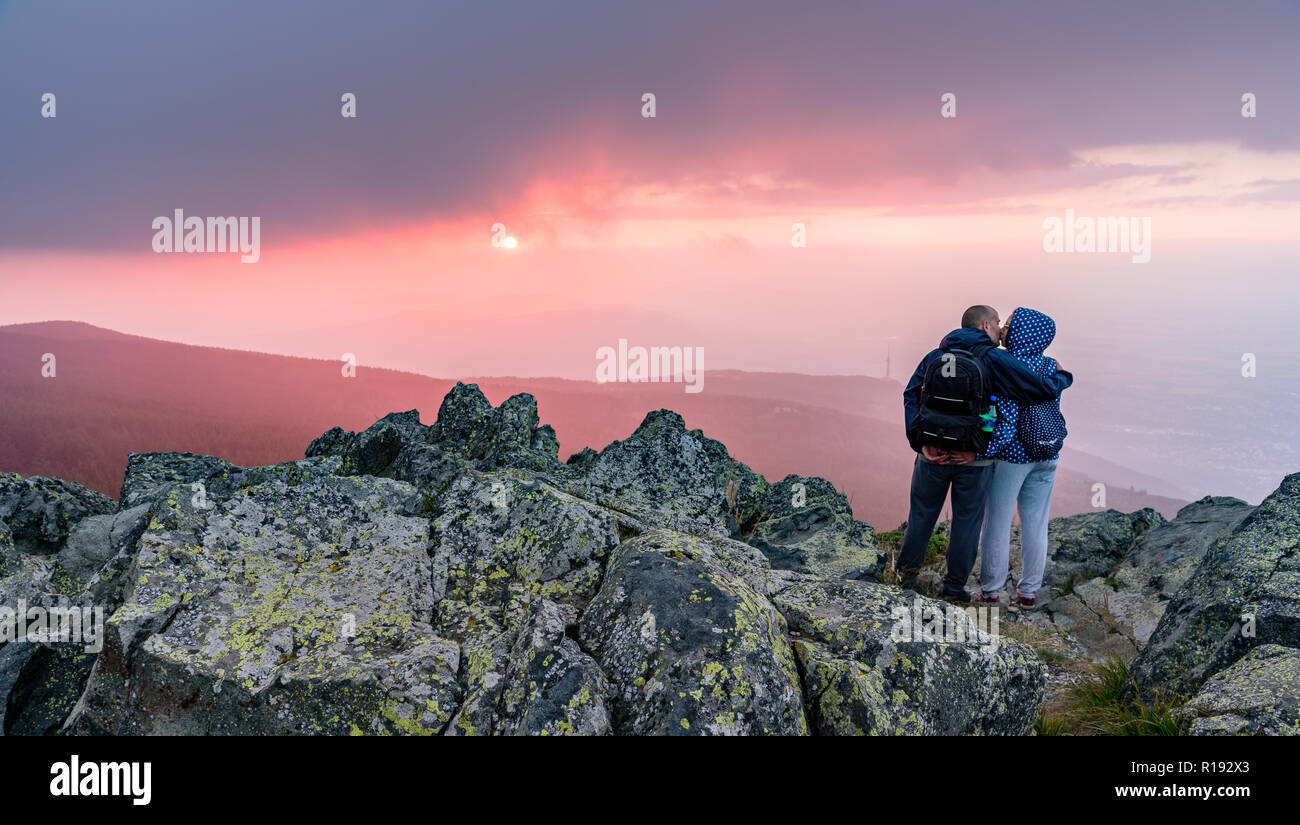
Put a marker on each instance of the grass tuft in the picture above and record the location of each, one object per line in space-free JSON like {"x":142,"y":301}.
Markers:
{"x":1104,"y":703}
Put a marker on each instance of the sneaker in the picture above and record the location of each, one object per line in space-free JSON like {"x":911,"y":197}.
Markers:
{"x":1026,"y":602}
{"x":956,"y":598}
{"x":984,"y":598}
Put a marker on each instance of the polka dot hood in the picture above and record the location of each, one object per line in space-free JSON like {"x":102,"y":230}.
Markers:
{"x":1031,"y":333}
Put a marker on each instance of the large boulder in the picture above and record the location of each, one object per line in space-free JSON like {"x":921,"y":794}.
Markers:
{"x":293,"y":605}
{"x":1258,"y":694}
{"x":1244,"y":592}
{"x":505,"y":539}
{"x":40,"y":684}
{"x":806,"y":525}
{"x":1114,"y":614}
{"x":689,"y":646}
{"x":1088,"y":545}
{"x":36,"y":514}
{"x":514,"y":560}
{"x":469,"y":433}
{"x":551,"y":686}
{"x":941,"y":671}
{"x":669,"y":476}
{"x":55,"y":535}
{"x":457,"y":579}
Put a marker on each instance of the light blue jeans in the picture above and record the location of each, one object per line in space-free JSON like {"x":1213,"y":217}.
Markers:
{"x":1030,"y":485}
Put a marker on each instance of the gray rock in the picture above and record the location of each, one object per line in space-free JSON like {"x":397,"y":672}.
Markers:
{"x":806,"y":526}
{"x":1258,"y":694}
{"x":83,"y":565}
{"x":688,"y":646}
{"x":551,"y":686}
{"x":38,"y":513}
{"x":505,"y":539}
{"x":40,"y":684}
{"x":292,"y":606}
{"x":1088,"y":545}
{"x":1244,"y":592}
{"x":668,"y":476}
{"x":1114,"y":615}
{"x":469,"y":434}
{"x":863,"y":677}
{"x":458,"y":579}
{"x":512,"y":555}
{"x":54,"y":537}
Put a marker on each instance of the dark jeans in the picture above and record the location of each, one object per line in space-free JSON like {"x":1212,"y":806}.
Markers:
{"x":930,"y":483}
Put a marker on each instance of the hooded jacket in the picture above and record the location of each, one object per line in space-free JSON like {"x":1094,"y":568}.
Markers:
{"x":1030,"y":333}
{"x":1011,"y":378}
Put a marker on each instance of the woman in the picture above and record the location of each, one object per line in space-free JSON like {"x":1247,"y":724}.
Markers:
{"x":1017,"y":478}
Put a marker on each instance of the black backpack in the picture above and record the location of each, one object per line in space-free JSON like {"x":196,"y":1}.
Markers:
{"x":1041,"y":428}
{"x":954,"y":393}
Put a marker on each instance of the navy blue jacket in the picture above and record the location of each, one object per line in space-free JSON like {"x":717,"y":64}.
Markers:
{"x":1011,"y":378}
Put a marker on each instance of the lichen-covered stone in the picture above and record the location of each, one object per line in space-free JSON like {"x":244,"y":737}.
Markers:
{"x":1258,"y":694}
{"x":806,"y":525}
{"x":36,"y":514}
{"x":1245,"y":592}
{"x":864,"y":673}
{"x":1114,"y":615}
{"x":504,"y":539}
{"x":468,"y":434}
{"x":54,"y":537}
{"x":40,"y":684}
{"x":457,"y":579}
{"x":151,"y":474}
{"x":669,"y":476}
{"x":1088,"y":545}
{"x":290,"y":606}
{"x":91,"y":564}
{"x":688,"y":646}
{"x":552,"y":687}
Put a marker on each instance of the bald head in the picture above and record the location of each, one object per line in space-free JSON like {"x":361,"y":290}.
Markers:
{"x":977,"y":316}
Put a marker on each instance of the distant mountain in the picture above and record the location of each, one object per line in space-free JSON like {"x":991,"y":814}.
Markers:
{"x":114,"y":393}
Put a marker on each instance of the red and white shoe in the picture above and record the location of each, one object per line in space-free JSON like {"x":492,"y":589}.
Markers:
{"x":1026,"y":602}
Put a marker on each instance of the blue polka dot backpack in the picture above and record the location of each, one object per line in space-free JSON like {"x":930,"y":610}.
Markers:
{"x":1041,"y":428}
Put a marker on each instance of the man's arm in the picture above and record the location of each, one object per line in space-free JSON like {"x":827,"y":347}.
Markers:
{"x":912,"y":394}
{"x":1012,"y":378}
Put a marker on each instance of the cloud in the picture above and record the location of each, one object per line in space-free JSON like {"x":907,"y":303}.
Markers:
{"x":476,"y":110}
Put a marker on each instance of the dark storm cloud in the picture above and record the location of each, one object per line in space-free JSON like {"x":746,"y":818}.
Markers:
{"x":232,"y":108}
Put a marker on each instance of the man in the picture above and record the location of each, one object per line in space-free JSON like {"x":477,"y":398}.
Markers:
{"x":935,"y":469}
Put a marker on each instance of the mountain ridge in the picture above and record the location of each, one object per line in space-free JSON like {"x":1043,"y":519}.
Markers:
{"x":116,"y":392}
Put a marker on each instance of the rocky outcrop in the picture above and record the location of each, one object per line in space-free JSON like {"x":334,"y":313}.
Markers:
{"x":36,"y":514}
{"x":57,"y":540}
{"x":869,"y":667}
{"x":1113,"y":614}
{"x":668,"y":476}
{"x":1245,"y":592}
{"x":1085,"y":546}
{"x":458,"y":579}
{"x":688,"y":645}
{"x":1258,"y":694}
{"x":300,"y":603}
{"x":806,"y":525}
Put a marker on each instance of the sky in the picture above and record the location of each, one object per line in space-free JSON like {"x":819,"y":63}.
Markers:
{"x":676,"y":229}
